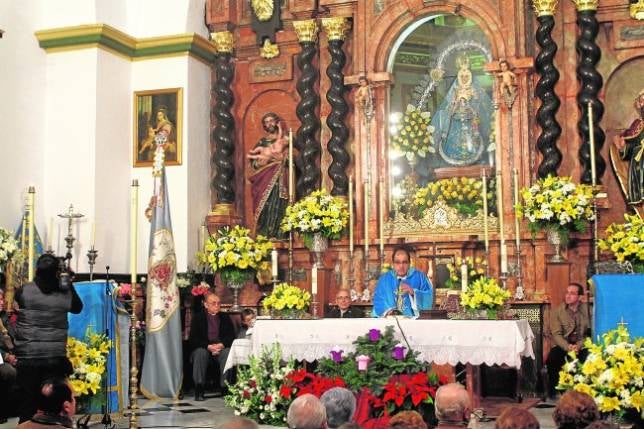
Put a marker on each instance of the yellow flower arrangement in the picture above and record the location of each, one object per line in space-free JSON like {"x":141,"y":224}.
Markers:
{"x":557,"y":203}
{"x":320,"y":213}
{"x":612,"y":374}
{"x":287,"y":298}
{"x":484,"y":294}
{"x":462,"y":193}
{"x":235,"y":254}
{"x":626,"y":241}
{"x":413,"y":135}
{"x":475,"y":270}
{"x":88,"y":358}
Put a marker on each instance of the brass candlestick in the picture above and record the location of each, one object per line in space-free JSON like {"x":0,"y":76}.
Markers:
{"x":92,"y":254}
{"x":315,"y":312}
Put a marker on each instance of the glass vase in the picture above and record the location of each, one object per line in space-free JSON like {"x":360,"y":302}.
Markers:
{"x":319,"y":244}
{"x":556,"y":238}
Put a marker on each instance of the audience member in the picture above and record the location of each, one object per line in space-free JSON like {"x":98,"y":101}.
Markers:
{"x":56,"y":405}
{"x":238,"y":422}
{"x":407,"y":420}
{"x":575,"y":410}
{"x":247,"y":323}
{"x":569,"y":326}
{"x":41,"y":329}
{"x":340,"y":404}
{"x":343,"y":309}
{"x":516,"y":418}
{"x":8,"y":361}
{"x":211,"y":335}
{"x":306,"y":412}
{"x":452,"y":406}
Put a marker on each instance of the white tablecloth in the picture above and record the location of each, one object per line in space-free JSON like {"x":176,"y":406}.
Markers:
{"x":439,"y":341}
{"x":239,"y":352}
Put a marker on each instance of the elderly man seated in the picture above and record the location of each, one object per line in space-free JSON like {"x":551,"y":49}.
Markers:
{"x":343,"y":309}
{"x":452,"y":406}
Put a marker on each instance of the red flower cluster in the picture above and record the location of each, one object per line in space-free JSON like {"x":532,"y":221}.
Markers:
{"x":416,"y":386}
{"x":303,"y":382}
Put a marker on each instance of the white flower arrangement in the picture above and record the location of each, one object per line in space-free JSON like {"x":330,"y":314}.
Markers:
{"x":8,"y":246}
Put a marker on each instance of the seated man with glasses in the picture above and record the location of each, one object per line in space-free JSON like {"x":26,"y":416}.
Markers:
{"x":343,"y":309}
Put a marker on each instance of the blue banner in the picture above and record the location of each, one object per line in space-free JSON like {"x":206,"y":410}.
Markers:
{"x":618,"y":297}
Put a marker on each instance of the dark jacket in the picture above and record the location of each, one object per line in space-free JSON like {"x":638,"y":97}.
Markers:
{"x":351,"y":313}
{"x":199,"y":330}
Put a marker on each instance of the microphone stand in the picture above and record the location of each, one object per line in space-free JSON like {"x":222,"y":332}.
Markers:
{"x":106,"y":421}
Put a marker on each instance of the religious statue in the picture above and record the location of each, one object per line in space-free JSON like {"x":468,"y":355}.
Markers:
{"x":268,"y":179}
{"x":462,"y":121}
{"x":364,"y":97}
{"x":508,"y":85}
{"x":631,"y":147}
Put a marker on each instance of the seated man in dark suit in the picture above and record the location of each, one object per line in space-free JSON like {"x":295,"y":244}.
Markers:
{"x":343,"y":309}
{"x":211,"y":335}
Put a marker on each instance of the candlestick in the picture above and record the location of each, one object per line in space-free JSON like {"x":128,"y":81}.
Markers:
{"x":134,"y":209}
{"x":463,"y":275}
{"x":351,"y":214}
{"x":31,"y":197}
{"x":485,"y":213}
{"x":366,"y":220}
{"x":291,"y":170}
{"x":517,"y":230}
{"x":314,"y":279}
{"x":504,"y":250}
{"x":591,"y":138}
{"x":274,"y":263}
{"x":50,"y":234}
{"x":381,"y":217}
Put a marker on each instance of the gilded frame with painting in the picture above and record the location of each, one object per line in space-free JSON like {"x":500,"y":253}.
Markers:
{"x":157,"y":111}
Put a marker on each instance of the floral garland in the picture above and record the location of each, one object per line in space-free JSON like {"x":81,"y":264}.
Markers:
{"x":8,"y":246}
{"x":475,"y":270}
{"x":462,"y":193}
{"x":484,"y":294}
{"x":287,"y":297}
{"x":626,"y":241}
{"x":557,"y":203}
{"x":235,"y":254}
{"x":320,"y":213}
{"x":413,"y":136}
{"x":612,"y":374}
{"x":88,"y":359}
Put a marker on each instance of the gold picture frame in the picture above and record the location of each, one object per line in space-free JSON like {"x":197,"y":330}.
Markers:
{"x":155,"y":111}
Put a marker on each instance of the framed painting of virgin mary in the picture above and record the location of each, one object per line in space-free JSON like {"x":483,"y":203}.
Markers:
{"x":157,"y":113}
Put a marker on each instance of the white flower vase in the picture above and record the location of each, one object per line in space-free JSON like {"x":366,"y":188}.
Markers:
{"x":319,"y":245}
{"x":236,"y":287}
{"x":555,"y":238}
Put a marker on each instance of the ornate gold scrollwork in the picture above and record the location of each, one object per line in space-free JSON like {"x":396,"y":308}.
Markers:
{"x":582,"y":5}
{"x":440,"y":219}
{"x":263,"y":9}
{"x":545,"y":7}
{"x":307,"y":30}
{"x":336,"y":27}
{"x":269,"y":50}
{"x":223,"y":41}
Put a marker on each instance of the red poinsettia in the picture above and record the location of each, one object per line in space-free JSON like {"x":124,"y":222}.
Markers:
{"x":306,"y":382}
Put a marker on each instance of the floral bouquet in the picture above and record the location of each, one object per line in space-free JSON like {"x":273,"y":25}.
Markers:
{"x":288,"y":300}
{"x":413,"y":135}
{"x":612,"y":374}
{"x":626,"y":241}
{"x":475,"y":270}
{"x":556,"y":203}
{"x":88,"y":358}
{"x":235,"y":255}
{"x":484,"y":294}
{"x":462,"y":193}
{"x":8,"y":246}
{"x":200,"y":290}
{"x":318,"y":213}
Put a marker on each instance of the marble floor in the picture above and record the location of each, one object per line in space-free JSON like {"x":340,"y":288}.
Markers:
{"x":212,"y":412}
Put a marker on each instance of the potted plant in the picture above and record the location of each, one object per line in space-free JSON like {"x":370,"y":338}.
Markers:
{"x":287,"y":301}
{"x":626,"y":241}
{"x":485,"y":294}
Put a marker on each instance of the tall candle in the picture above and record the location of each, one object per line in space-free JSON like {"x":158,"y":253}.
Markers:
{"x":591,"y":138}
{"x":517,"y":231}
{"x":350,"y":214}
{"x":92,"y":237}
{"x":504,"y":250}
{"x":134,"y":209}
{"x":366,"y":220}
{"x":274,"y":263}
{"x":314,"y":279}
{"x":463,"y":276}
{"x":381,"y":217}
{"x":50,"y":234}
{"x":485,"y":213}
{"x":202,"y":238}
{"x":291,"y":167}
{"x":31,"y":202}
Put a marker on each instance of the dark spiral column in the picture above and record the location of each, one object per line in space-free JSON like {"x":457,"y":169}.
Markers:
{"x":545,"y":90}
{"x":336,"y":29}
{"x":590,"y":84}
{"x":306,"y":140}
{"x":222,"y":159}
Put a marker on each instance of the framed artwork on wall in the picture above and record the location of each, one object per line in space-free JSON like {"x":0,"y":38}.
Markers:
{"x":157,"y":112}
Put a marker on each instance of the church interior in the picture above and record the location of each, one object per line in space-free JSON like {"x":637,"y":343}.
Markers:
{"x":493,"y":142}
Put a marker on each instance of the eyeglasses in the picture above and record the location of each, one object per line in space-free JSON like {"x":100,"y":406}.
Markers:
{"x":342,"y":298}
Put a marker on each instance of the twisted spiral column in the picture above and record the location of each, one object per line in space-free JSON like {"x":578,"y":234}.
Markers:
{"x":545,"y":89}
{"x":336,"y":29}
{"x":590,"y":84}
{"x":306,"y":140}
{"x":222,"y":159}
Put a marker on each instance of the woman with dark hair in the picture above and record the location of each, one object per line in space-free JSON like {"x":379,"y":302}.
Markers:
{"x":41,"y":329}
{"x":575,"y":410}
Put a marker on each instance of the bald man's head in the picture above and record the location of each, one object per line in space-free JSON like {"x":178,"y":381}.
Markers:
{"x":452,"y":403}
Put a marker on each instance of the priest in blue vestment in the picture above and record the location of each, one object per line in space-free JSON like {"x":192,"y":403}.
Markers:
{"x":402,"y":290}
